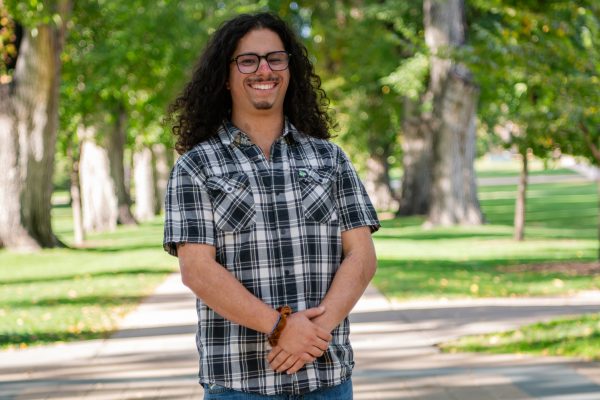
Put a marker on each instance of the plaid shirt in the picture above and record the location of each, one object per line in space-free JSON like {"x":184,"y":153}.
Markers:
{"x":276,"y":226}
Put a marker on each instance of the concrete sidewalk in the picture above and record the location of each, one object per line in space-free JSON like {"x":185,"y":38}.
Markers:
{"x":153,"y":356}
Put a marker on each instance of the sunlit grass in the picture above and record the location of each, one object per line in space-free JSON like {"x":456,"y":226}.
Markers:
{"x":574,"y":336}
{"x":75,"y":294}
{"x":468,"y":261}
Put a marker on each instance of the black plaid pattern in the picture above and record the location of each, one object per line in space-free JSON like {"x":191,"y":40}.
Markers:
{"x":276,"y":226}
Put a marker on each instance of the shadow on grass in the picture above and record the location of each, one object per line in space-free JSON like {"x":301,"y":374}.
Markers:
{"x":100,"y":300}
{"x":40,"y":338}
{"x":44,"y":279}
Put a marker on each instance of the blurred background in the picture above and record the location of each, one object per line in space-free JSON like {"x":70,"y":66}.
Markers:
{"x":473,"y":124}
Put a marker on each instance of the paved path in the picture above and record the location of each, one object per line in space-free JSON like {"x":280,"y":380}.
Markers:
{"x":153,"y":356}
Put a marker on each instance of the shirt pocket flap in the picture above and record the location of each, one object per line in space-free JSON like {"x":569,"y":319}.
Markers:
{"x":320,"y":176}
{"x":227,"y":184}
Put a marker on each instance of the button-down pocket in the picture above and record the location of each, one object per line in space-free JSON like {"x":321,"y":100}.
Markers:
{"x":233,"y":204}
{"x":316,"y":187}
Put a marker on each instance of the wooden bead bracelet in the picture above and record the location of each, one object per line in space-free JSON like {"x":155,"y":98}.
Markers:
{"x":284,"y":312}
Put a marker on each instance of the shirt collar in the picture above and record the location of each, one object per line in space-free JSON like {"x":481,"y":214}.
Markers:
{"x":231,"y":134}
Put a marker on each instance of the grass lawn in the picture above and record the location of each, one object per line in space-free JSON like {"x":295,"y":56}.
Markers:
{"x":555,"y":259}
{"x":73,"y":294}
{"x":476,"y":261}
{"x":577,"y":337}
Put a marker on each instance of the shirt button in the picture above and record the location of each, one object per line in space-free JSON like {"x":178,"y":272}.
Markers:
{"x":287,"y":272}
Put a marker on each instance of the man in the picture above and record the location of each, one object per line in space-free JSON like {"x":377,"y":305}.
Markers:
{"x":267,"y":218}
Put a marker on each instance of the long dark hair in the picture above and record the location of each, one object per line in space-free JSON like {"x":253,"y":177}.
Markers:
{"x":205,"y":102}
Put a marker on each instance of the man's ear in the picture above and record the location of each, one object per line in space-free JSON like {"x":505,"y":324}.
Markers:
{"x":227,"y":85}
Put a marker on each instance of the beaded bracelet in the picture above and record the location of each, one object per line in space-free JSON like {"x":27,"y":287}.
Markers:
{"x":284,"y":312}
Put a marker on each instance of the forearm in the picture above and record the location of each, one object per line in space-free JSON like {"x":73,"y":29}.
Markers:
{"x":223,"y":293}
{"x":350,"y":281}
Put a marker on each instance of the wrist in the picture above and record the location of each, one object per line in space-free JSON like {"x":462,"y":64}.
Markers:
{"x":284,"y":313}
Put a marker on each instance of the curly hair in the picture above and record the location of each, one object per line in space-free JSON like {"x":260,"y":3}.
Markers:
{"x":205,"y":102}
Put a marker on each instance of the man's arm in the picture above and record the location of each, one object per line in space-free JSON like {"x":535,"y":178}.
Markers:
{"x":223,"y":293}
{"x":350,"y":281}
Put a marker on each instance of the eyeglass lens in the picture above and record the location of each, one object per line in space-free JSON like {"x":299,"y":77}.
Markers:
{"x":248,"y":63}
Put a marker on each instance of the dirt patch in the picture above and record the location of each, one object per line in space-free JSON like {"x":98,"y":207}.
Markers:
{"x":567,"y":268}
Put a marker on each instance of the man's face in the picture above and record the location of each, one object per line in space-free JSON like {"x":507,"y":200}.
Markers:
{"x":263,"y":90}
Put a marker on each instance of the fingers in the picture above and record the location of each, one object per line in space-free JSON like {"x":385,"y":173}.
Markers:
{"x":278,"y":360}
{"x":275,"y":351}
{"x":324,"y":335}
{"x":302,"y":361}
{"x":288,"y":363}
{"x":317,"y":352}
{"x":311,"y":313}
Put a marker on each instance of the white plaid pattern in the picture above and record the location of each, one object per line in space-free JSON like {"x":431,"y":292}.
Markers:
{"x":276,"y":226}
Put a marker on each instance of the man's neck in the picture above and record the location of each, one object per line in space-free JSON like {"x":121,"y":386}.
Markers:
{"x":262,"y":130}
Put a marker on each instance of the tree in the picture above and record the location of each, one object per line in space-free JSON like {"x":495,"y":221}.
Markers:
{"x":124,"y":63}
{"x":537,"y":67}
{"x":351,"y":66}
{"x":29,"y":97}
{"x":454,"y":192}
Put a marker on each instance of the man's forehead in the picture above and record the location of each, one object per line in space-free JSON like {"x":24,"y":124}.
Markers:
{"x":260,"y":40}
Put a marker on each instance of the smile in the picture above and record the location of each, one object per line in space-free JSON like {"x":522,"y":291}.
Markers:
{"x":263,"y":85}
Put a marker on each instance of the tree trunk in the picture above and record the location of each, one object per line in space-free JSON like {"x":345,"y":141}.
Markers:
{"x":162,"y":166}
{"x":98,"y":199}
{"x":454,"y":191}
{"x":416,"y":162}
{"x":521,"y":201}
{"x":28,"y":129}
{"x":598,"y":222}
{"x":115,"y":145}
{"x":145,"y":195}
{"x":377,"y":182}
{"x":78,"y":231}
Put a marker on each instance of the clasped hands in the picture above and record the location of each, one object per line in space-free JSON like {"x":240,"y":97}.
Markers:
{"x":301,"y":342}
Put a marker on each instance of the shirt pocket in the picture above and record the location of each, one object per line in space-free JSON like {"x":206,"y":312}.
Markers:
{"x":316,"y":187}
{"x":232,"y":200}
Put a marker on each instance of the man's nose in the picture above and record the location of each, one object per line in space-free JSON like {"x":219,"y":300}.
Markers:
{"x":263,"y":65}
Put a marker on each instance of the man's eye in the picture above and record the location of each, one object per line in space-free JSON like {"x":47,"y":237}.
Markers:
{"x":246,"y":61}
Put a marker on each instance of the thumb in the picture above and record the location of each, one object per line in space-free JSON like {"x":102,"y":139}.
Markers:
{"x":314,"y":312}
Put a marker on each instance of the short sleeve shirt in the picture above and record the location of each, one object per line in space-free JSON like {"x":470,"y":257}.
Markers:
{"x":276,"y":225}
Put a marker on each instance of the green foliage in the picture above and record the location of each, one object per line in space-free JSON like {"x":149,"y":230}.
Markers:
{"x":355,"y":45}
{"x":32,"y":13}
{"x":8,"y":48}
{"x":537,"y":65}
{"x":409,"y":78}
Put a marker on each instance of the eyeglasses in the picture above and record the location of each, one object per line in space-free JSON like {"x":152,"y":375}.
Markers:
{"x":249,"y":63}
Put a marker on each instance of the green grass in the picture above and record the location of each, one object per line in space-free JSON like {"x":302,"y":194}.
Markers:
{"x":457,"y":262}
{"x":575,"y":336}
{"x":67,"y":294}
{"x":487,"y":167}
{"x":470,"y":261}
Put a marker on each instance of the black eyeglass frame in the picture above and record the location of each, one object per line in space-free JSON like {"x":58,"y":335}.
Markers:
{"x":260,"y":57}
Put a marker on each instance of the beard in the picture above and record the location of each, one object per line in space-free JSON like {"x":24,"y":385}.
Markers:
{"x":263,"y":105}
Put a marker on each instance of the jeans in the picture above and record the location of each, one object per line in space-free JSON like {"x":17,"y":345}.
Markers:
{"x":342,"y":391}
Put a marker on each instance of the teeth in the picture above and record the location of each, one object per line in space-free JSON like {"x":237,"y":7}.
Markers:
{"x":263,"y":86}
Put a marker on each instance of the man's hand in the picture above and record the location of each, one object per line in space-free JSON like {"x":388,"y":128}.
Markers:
{"x":301,"y":341}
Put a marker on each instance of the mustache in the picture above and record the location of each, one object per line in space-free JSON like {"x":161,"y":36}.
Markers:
{"x":273,"y":79}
